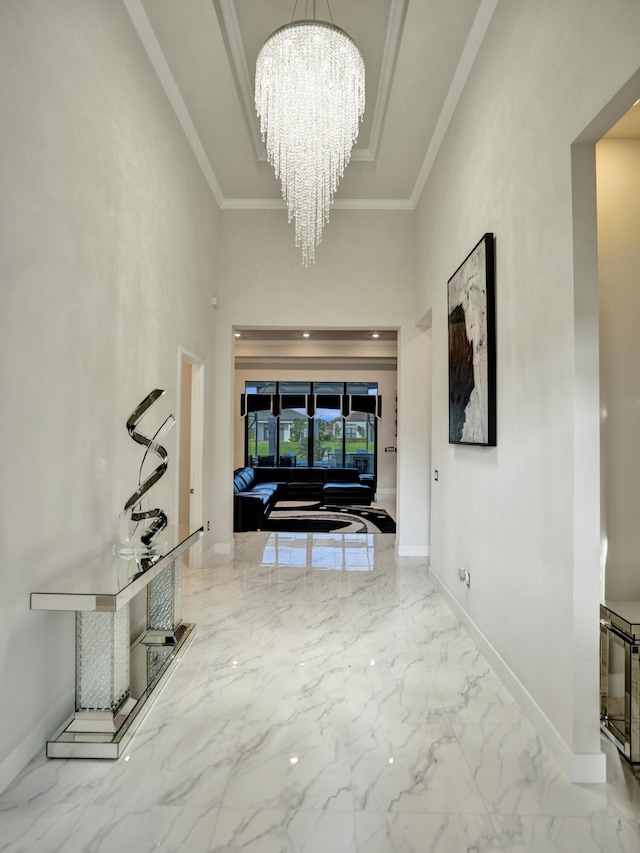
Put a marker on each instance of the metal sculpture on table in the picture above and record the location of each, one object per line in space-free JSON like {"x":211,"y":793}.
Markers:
{"x":135,"y":537}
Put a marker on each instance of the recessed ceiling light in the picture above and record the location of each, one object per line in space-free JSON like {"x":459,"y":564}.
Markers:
{"x":238,"y":335}
{"x":375,"y":335}
{"x":306,"y":335}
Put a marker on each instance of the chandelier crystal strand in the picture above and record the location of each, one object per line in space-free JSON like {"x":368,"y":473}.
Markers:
{"x":309,"y":96}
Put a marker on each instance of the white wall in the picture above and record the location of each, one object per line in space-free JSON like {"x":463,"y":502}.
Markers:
{"x":184,"y":450}
{"x":618,"y":181}
{"x":363,"y":278}
{"x":107,"y":259}
{"x":542,"y":74}
{"x":414,"y":456}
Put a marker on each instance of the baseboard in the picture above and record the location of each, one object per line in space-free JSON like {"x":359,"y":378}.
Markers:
{"x":216,"y":550}
{"x":35,"y":741}
{"x":386,"y":493}
{"x":587,"y":768}
{"x":412,"y":550}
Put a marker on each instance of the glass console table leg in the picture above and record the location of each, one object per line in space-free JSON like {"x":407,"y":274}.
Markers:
{"x":164,"y":605}
{"x":102,"y":670}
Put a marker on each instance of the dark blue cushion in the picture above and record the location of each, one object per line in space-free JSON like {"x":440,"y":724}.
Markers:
{"x":271,"y":475}
{"x":343,"y":475}
{"x":307,"y":475}
{"x":243,"y":479}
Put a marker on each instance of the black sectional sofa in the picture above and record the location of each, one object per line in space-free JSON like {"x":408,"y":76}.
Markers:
{"x":256,"y":490}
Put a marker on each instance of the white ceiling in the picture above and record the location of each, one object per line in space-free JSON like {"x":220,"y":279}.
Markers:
{"x":417,"y":53}
{"x":306,"y":348}
{"x":282,"y":336}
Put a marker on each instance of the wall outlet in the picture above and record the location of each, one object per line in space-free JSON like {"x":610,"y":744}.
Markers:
{"x":208,"y":525}
{"x":435,"y":475}
{"x":465,"y":576}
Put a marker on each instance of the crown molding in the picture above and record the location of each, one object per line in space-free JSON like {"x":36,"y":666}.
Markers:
{"x":338,"y":204}
{"x":463,"y":69}
{"x":393,"y":38}
{"x":253,"y":204}
{"x":233,"y":43}
{"x":232,"y":38}
{"x":372,"y":204}
{"x":150,"y":43}
{"x":230,"y":30}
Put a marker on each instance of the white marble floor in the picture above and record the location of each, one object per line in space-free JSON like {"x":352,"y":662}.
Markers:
{"x":330,"y":703}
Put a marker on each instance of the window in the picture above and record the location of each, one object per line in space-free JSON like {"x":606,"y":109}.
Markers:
{"x":360,"y":444}
{"x":294,"y":437}
{"x":341,"y":434}
{"x":327,"y":438}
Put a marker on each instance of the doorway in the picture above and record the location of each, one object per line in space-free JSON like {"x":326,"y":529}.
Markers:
{"x":589,"y":534}
{"x":618,"y":181}
{"x":190,"y":451}
{"x":605,"y":256}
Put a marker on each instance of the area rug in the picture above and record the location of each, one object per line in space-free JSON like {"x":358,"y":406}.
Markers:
{"x":306,"y":517}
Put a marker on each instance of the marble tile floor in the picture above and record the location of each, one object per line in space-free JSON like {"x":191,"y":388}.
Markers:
{"x":330,"y":703}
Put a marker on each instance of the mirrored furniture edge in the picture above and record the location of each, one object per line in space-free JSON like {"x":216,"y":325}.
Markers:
{"x":116,"y":679}
{"x":620,"y":675}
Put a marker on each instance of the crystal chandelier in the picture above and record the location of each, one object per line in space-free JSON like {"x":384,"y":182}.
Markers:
{"x":309,"y":97}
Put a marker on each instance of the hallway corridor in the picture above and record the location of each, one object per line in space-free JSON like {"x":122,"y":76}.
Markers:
{"x":330,"y":703}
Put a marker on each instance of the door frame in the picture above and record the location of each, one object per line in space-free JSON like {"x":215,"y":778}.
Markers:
{"x":196,"y":459}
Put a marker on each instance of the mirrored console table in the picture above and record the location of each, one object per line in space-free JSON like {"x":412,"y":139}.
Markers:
{"x":116,"y":680}
{"x":620,"y":675}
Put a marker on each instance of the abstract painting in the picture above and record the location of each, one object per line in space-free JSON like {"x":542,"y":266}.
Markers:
{"x":472,"y":348}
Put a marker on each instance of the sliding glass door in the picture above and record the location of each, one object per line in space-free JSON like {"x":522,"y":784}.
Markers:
{"x":360,"y":442}
{"x":327,"y":439}
{"x":294,"y":437}
{"x":261,"y":438}
{"x":317,"y":424}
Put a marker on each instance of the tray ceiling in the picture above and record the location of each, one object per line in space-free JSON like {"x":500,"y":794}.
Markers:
{"x":417,"y":53}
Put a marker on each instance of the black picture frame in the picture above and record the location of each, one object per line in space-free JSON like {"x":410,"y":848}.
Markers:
{"x":472,"y":347}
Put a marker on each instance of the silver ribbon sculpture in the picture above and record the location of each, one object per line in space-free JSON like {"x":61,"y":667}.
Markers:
{"x":134,"y":538}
